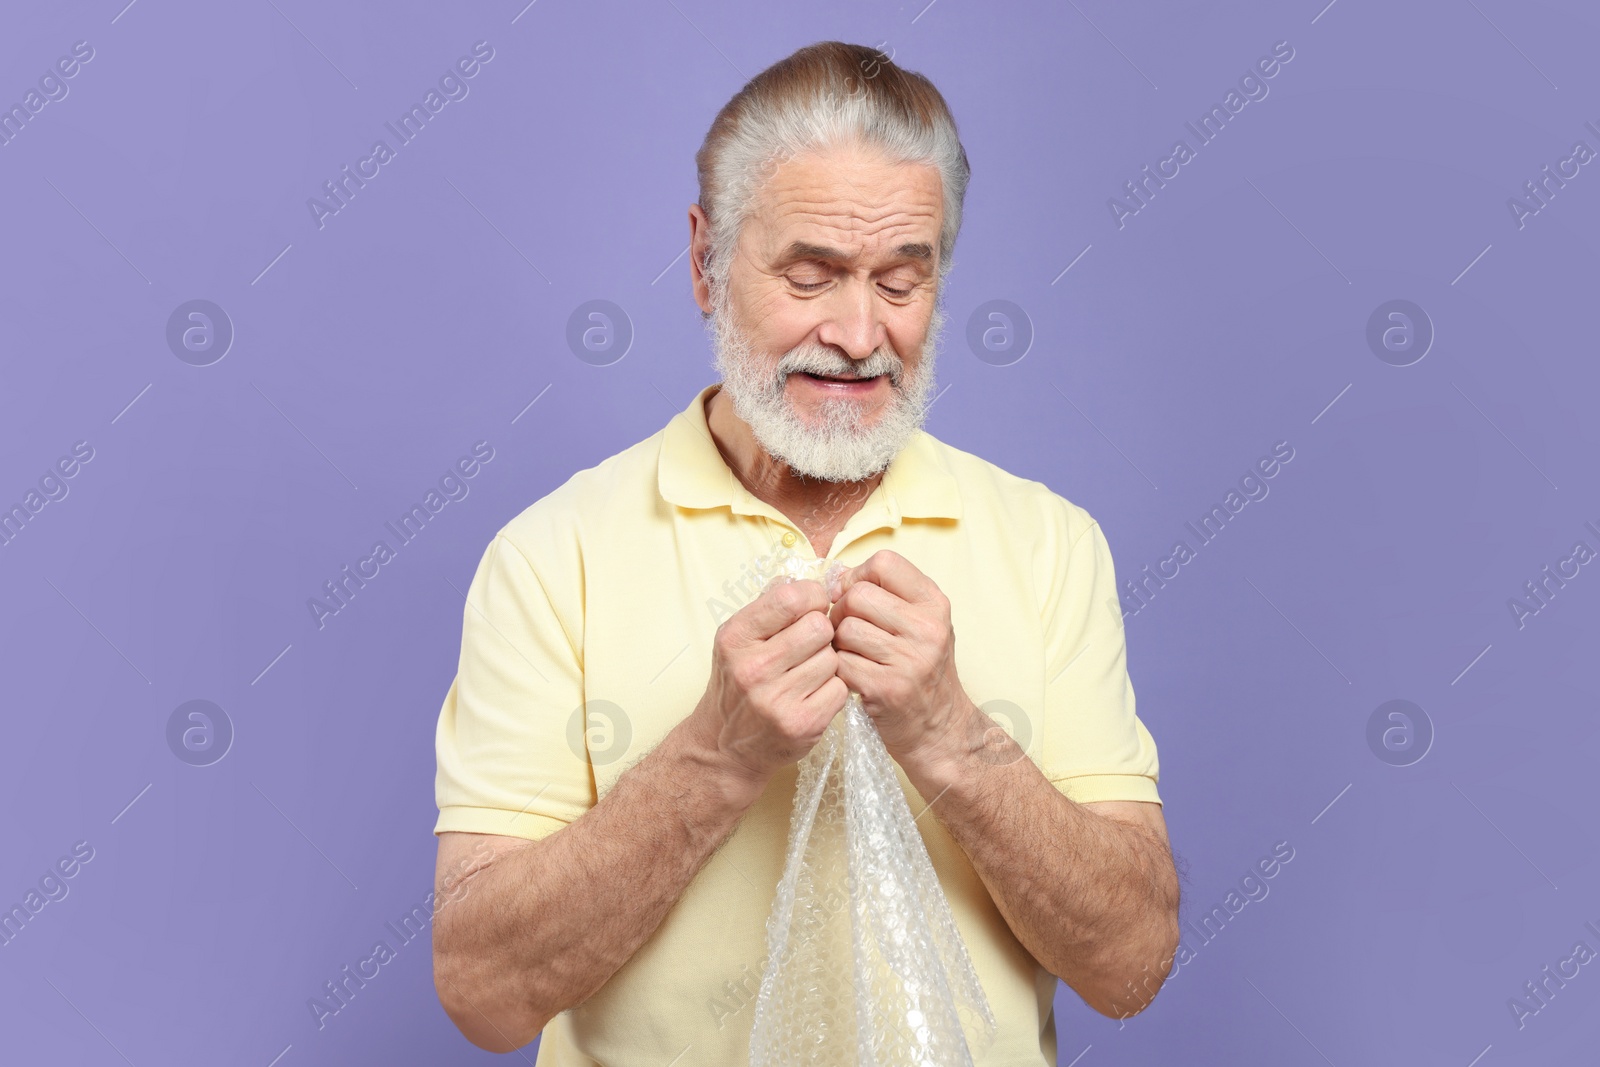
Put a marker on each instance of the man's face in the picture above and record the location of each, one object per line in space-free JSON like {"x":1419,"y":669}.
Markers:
{"x":835,"y":278}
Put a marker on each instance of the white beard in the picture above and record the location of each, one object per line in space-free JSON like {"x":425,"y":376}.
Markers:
{"x":837,"y":447}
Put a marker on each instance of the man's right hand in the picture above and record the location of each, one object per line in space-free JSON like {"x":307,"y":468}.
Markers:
{"x":774,"y":684}
{"x":540,"y":927}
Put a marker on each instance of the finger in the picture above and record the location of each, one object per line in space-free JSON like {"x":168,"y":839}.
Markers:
{"x":778,"y":606}
{"x":805,"y":691}
{"x":857,"y":671}
{"x":873,"y":603}
{"x":893,"y":572}
{"x":805,"y":678}
{"x":864,"y":639}
{"x":829,"y":699}
{"x":798,"y":642}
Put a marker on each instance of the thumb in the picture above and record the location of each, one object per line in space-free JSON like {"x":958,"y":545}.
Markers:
{"x":838,"y":579}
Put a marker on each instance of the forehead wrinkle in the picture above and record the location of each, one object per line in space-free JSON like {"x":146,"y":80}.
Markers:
{"x":854,"y":212}
{"x":888,"y":226}
{"x":797,"y":205}
{"x":894,"y":202}
{"x":853,"y":230}
{"x":908,"y":198}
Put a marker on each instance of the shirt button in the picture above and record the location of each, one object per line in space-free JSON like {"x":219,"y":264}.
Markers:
{"x":789,"y":540}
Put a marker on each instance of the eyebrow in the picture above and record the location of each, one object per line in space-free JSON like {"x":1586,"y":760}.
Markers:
{"x":919,"y":250}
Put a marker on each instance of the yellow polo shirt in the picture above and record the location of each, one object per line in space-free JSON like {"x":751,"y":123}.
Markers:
{"x":587,"y":636}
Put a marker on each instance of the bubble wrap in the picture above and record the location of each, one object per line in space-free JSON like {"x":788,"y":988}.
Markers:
{"x":865,"y":964}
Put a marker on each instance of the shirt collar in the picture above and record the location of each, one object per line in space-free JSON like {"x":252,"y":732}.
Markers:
{"x":691,"y":473}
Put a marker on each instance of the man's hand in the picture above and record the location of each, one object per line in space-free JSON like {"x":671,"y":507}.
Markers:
{"x":774,"y":685}
{"x":1091,"y":894}
{"x":548,"y":923}
{"x":891,"y":629}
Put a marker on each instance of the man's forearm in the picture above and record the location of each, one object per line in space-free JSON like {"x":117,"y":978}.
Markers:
{"x":1093,"y":899}
{"x":542,"y":928}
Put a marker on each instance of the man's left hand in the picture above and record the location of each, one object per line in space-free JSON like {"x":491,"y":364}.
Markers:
{"x":897,"y":648}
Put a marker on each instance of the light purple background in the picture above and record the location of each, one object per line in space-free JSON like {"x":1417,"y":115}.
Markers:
{"x":1225,"y":316}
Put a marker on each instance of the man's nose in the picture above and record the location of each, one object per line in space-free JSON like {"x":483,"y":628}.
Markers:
{"x":854,"y":322}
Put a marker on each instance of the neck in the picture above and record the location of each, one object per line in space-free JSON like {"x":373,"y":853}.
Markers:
{"x":822,"y":504}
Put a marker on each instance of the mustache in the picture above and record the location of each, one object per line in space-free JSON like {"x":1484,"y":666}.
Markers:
{"x":815,"y":360}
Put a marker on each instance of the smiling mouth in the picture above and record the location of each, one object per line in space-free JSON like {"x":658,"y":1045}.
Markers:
{"x":836,"y":378}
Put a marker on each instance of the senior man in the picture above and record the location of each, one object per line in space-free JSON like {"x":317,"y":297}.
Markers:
{"x":617,"y":753}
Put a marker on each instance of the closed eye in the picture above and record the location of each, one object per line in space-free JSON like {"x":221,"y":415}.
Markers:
{"x":809,"y":287}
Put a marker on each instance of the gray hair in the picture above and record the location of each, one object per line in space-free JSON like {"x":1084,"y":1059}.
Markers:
{"x":824,"y":95}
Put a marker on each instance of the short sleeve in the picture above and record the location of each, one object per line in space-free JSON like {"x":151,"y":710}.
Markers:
{"x":505,"y":764}
{"x":1094,"y":746}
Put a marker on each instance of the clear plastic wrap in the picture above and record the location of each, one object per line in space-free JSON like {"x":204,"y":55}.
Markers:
{"x":865,"y":964}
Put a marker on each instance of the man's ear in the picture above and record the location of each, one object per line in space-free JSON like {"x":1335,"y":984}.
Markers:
{"x":700,"y":258}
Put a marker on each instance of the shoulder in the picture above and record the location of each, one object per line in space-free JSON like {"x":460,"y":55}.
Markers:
{"x":1026,"y":505}
{"x":590,"y":502}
